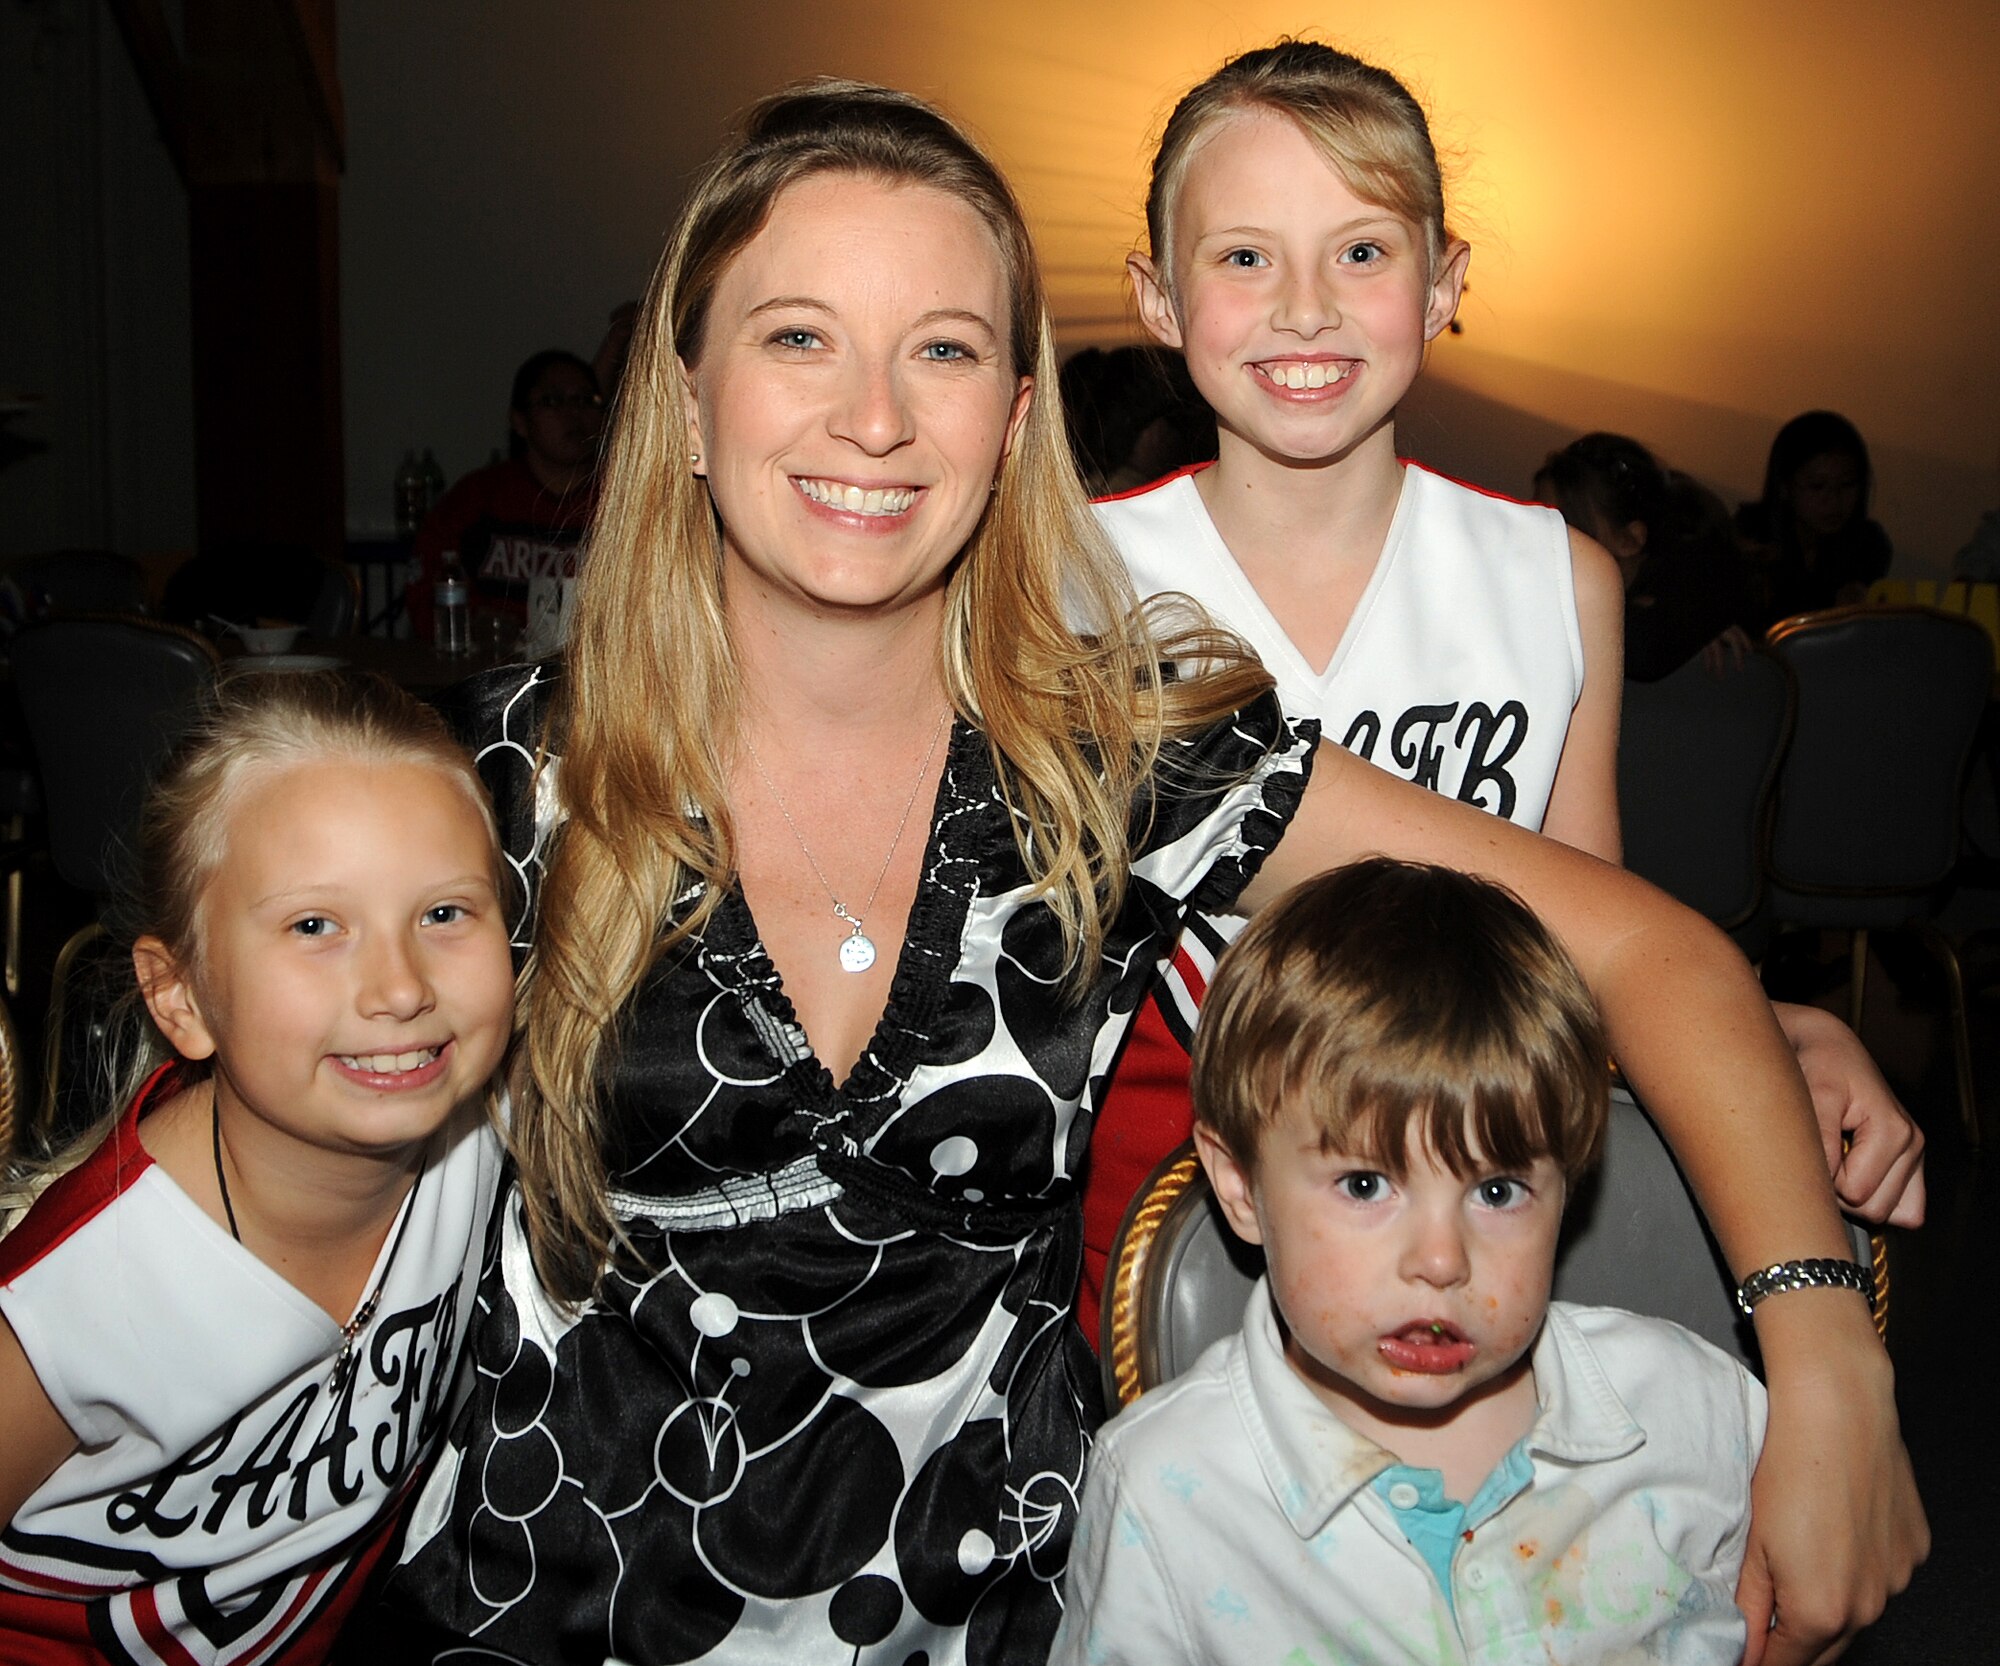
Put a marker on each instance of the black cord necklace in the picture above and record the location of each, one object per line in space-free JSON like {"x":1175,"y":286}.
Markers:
{"x":350,"y":1332}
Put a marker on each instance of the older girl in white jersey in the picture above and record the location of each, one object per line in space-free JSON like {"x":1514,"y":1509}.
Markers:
{"x":1299,"y":259}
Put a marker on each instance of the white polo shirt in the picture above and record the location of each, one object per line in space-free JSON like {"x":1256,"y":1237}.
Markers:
{"x":1228,"y":1516}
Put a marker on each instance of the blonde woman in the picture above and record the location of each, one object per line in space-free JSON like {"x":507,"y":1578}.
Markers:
{"x":853,"y":862}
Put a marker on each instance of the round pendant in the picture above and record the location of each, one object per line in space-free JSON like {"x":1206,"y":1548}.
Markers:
{"x":857,"y":954}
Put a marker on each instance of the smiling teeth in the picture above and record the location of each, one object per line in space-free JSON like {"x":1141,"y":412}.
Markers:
{"x":1304,"y":375}
{"x":389,"y":1064}
{"x":883,"y":500}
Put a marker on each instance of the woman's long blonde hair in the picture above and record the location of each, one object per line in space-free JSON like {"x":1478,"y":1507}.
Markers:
{"x":644,"y":721}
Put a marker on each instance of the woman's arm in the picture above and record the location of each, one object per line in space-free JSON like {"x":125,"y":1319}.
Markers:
{"x":33,"y":1437}
{"x":1837,"y":1526}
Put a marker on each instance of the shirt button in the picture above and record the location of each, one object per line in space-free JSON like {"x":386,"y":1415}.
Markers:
{"x":1403,"y":1495}
{"x":1475,"y":1576}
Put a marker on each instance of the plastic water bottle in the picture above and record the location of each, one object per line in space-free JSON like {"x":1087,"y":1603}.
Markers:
{"x":412,"y":494}
{"x":433,"y":479}
{"x":451,"y":615}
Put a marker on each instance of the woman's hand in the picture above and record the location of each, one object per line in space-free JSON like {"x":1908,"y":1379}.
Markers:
{"x":1836,"y":1526}
{"x":1879,"y":1176}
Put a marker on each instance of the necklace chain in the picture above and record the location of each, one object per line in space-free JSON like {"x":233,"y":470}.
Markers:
{"x":857,"y":951}
{"x":351,"y":1331}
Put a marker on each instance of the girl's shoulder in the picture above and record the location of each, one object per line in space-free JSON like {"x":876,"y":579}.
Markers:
{"x":44,"y":1205}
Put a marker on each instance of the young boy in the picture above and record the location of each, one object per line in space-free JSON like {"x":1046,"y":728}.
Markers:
{"x":1408,"y":1453}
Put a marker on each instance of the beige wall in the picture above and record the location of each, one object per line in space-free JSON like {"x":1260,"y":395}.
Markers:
{"x":1691,"y":219}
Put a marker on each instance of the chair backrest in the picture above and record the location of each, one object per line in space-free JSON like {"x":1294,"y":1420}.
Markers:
{"x":336,"y":609}
{"x":1698,"y":755}
{"x":104,"y":699}
{"x":1633,"y":1237}
{"x":1889,"y":701}
{"x":12,"y":1102}
{"x":80,"y":581}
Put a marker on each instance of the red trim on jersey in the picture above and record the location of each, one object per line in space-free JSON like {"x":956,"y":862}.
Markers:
{"x":146,"y":1617}
{"x":305,"y":1595}
{"x":1146,"y":1113}
{"x":1407,"y":462}
{"x":1155,"y":485}
{"x":1474,"y":486}
{"x":316,"y":1641}
{"x":49,"y":1581}
{"x":72,"y":1202}
{"x":46,"y":1631}
{"x":1197,"y":985}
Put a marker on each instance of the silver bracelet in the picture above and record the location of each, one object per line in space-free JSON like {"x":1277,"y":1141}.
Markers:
{"x":1815,"y":1272}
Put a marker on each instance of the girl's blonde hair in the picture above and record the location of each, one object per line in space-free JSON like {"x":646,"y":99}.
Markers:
{"x":248,"y":727}
{"x":1366,"y":123}
{"x":644,"y":719}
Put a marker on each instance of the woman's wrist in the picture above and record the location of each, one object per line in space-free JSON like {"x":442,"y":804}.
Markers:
{"x":1819,"y":1330}
{"x":1813,"y":1272}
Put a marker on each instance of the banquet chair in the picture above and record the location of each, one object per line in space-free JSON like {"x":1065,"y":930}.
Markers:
{"x":336,"y":603}
{"x":1866,"y":830}
{"x":1698,"y":755}
{"x":1632,"y":1238}
{"x":79,"y":581}
{"x":12,"y":1094}
{"x":103,"y":699}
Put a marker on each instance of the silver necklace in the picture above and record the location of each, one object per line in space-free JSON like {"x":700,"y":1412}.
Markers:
{"x":857,"y":949}
{"x":351,"y":1331}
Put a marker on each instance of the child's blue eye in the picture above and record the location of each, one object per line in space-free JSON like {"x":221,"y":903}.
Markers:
{"x":1364,"y":254}
{"x":1245,"y":258}
{"x":313,"y":925}
{"x":1501,"y":1192}
{"x":446,"y":913}
{"x":1363,"y":1186}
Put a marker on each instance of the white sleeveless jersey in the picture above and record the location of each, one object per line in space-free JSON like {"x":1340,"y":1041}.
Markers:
{"x":1463,"y":660}
{"x":225,"y":1503}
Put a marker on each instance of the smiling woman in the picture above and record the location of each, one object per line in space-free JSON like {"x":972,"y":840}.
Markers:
{"x":776,"y":1358}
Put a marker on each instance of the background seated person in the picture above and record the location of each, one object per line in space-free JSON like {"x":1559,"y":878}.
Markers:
{"x":523,"y":519}
{"x":1685,"y":582}
{"x":1811,"y":526}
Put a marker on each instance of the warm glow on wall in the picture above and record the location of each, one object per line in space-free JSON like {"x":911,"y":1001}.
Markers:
{"x":1726,"y":213}
{"x":1691,"y":218}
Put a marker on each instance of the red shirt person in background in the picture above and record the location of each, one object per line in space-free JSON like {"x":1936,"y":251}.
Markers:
{"x":523,"y":519}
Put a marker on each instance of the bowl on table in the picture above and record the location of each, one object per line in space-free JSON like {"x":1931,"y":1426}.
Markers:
{"x":268,"y":639}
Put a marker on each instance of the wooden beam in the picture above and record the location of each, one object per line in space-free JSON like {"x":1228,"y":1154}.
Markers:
{"x":162,"y":75}
{"x":309,"y":24}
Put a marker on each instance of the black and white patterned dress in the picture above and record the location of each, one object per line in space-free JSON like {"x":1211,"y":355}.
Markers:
{"x":844,"y":1416}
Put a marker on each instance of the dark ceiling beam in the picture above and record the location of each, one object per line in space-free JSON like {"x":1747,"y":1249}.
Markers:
{"x":162,"y":75}
{"x":310,"y":28}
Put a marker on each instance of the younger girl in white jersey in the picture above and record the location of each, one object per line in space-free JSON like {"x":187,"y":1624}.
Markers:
{"x":228,"y":1325}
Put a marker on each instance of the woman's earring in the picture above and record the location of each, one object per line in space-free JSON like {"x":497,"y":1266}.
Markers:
{"x":694,"y":459}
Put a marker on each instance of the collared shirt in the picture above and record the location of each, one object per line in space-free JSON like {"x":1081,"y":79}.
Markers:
{"x":1230,"y":1516}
